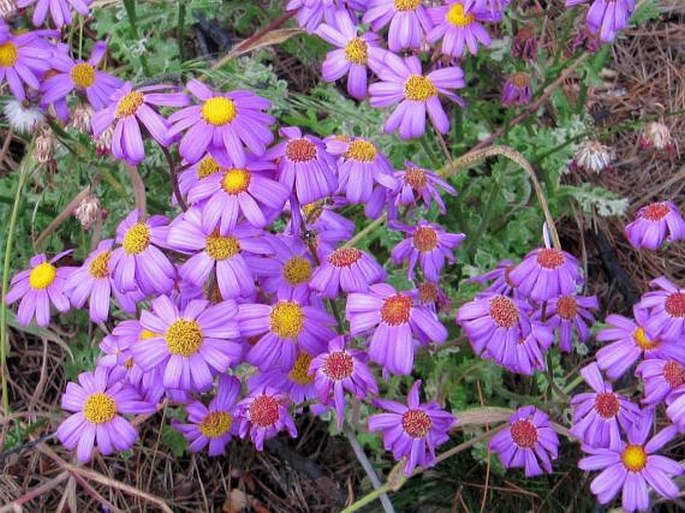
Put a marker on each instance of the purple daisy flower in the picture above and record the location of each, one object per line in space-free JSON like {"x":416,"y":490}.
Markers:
{"x":517,"y":90}
{"x":72,"y":75}
{"x":190,"y":346}
{"x":660,"y":377}
{"x":229,"y":121}
{"x":633,"y":466}
{"x":408,"y":19}
{"x":529,"y":442}
{"x":396,"y":322}
{"x":666,"y":310}
{"x":608,"y":17}
{"x":139,"y":263}
{"x":403,"y":82}
{"x":546,"y":273}
{"x":348,"y":269}
{"x":597,"y":415}
{"x":98,"y":406}
{"x":525,"y":355}
{"x":322,"y":216}
{"x":655,"y":223}
{"x":129,"y":109}
{"x":288,"y":269}
{"x":295,"y":382}
{"x":495,"y":8}
{"x":23,"y":58}
{"x":413,"y":430}
{"x":420,"y":184}
{"x":499,"y":278}
{"x":195,"y":173}
{"x":428,"y":245}
{"x":60,"y":10}
{"x":340,"y":369}
{"x":38,"y":287}
{"x":263,"y":414}
{"x":310,"y":13}
{"x":676,"y":399}
{"x":568,"y":312}
{"x":458,"y":27}
{"x":432,"y":296}
{"x":212,"y":425}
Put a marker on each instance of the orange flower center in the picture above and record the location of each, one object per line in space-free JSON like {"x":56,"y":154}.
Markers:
{"x":524,"y":433}
{"x":396,"y":309}
{"x":567,"y":307}
{"x":415,"y":178}
{"x":504,"y":312}
{"x":264,"y":411}
{"x":550,"y":258}
{"x":300,"y":150}
{"x":338,"y":366}
{"x":655,"y":211}
{"x":344,"y":257}
{"x":675,"y":304}
{"x":425,"y":239}
{"x":416,"y":423}
{"x":607,"y":405}
{"x":674,"y":373}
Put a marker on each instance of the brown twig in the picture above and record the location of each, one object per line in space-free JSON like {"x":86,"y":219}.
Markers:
{"x":16,"y":504}
{"x":138,"y":191}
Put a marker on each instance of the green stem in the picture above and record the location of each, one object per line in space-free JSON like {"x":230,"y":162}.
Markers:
{"x":130,"y":6}
{"x":365,"y":231}
{"x":180,"y":28}
{"x":573,"y":384}
{"x":472,"y":242}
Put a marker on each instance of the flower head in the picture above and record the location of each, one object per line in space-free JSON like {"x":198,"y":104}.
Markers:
{"x":593,"y":156}
{"x":263,"y":414}
{"x":657,"y":135}
{"x":23,"y":58}
{"x":607,"y":17}
{"x":660,"y":377}
{"x":655,"y":223}
{"x":499,"y":278}
{"x":289,"y":269}
{"x":571,"y":312}
{"x":546,"y":273}
{"x":60,"y":10}
{"x":459,"y":28}
{"x":420,"y":185}
{"x":666,"y":310}
{"x":346,"y":268}
{"x":517,"y":90}
{"x":408,"y":20}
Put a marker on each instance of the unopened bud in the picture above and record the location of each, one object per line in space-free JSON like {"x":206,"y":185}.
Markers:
{"x":593,"y":156}
{"x":81,"y":118}
{"x":44,"y":146}
{"x":658,"y":136}
{"x":88,"y":211}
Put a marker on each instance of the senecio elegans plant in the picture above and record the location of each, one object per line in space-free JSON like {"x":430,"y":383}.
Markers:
{"x":244,"y":326}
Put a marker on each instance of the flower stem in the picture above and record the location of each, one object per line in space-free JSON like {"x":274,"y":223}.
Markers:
{"x":130,"y":6}
{"x":365,"y":231}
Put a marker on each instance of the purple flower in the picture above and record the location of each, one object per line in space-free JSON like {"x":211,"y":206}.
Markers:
{"x":458,"y":27}
{"x":195,"y":173}
{"x":499,"y":277}
{"x":82,"y":76}
{"x":525,"y":355}
{"x":666,"y":310}
{"x":418,"y":184}
{"x":607,"y":17}
{"x":529,"y":442}
{"x":138,"y":263}
{"x":294,"y":381}
{"x":429,"y":246}
{"x":408,"y":20}
{"x":568,"y":312}
{"x":212,"y":425}
{"x":322,"y":216}
{"x":98,"y":406}
{"x":676,"y":399}
{"x":660,"y":377}
{"x":263,"y":414}
{"x":397,"y":322}
{"x":341,"y":369}
{"x":525,"y":44}
{"x":430,"y":294}
{"x":128,"y":110}
{"x":654,"y":223}
{"x":310,"y":13}
{"x":60,"y":10}
{"x":495,"y":8}
{"x":632,"y":466}
{"x":229,"y":121}
{"x":403,"y":82}
{"x":597,"y":415}
{"x":190,"y":346}
{"x":517,"y":90}
{"x":38,"y":287}
{"x":289,"y":269}
{"x":546,"y":273}
{"x":23,"y":59}
{"x":413,"y":430}
{"x":348,"y":269}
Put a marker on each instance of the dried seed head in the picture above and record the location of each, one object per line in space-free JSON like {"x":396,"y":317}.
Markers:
{"x":658,"y":136}
{"x":22,"y":117}
{"x":103,"y":144}
{"x":593,"y":156}
{"x":81,"y":118}
{"x":44,"y":146}
{"x":88,"y":211}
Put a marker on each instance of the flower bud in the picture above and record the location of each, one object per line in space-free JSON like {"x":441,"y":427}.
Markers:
{"x":88,"y":211}
{"x":44,"y":145}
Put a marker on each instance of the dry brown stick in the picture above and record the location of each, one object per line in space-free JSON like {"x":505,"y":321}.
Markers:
{"x":6,"y":144}
{"x":138,"y":191}
{"x":16,"y":504}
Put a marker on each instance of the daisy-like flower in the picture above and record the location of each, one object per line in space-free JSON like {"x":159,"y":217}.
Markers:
{"x":310,"y":13}
{"x":408,"y":19}
{"x":23,"y":58}
{"x":607,"y":17}
{"x":354,"y":55}
{"x":418,"y":184}
{"x":340,"y":369}
{"x":673,"y":372}
{"x":69,"y":75}
{"x":568,"y":312}
{"x":129,"y":109}
{"x":60,"y":10}
{"x":655,"y":223}
{"x":22,"y":118}
{"x":212,"y":425}
{"x":396,"y":322}
{"x":629,"y":340}
{"x":458,"y":27}
{"x":190,"y":346}
{"x":291,"y":323}
{"x":598,"y":414}
{"x":361,"y":166}
{"x":349,"y":269}
{"x":592,"y":156}
{"x":428,"y":245}
{"x":295,"y":382}
{"x":229,"y":121}
{"x":517,"y":90}
{"x":660,"y":377}
{"x":196,"y":172}
{"x":263,"y":414}
{"x":403,"y":82}
{"x":525,"y":355}
{"x":431,"y":295}
{"x":632,"y":466}
{"x":546,"y":273}
{"x":98,"y":406}
{"x":499,"y":278}
{"x":495,"y":8}
{"x":529,"y":442}
{"x":289,"y":269}
{"x":413,"y":430}
{"x":666,"y":309}
{"x":38,"y":287}
{"x":139,"y":263}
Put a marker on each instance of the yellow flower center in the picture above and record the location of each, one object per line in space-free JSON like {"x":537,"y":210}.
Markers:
{"x":419,"y":88}
{"x":129,"y":104}
{"x":42,"y":276}
{"x":407,"y":5}
{"x":137,"y":239}
{"x":219,"y":111}
{"x":236,"y":181}
{"x":99,"y":266}
{"x":361,"y":150}
{"x":99,"y":408}
{"x":8,"y":54}
{"x":634,"y":458}
{"x":207,"y":167}
{"x":299,"y":373}
{"x":183,"y":337}
{"x":83,"y":75}
{"x":221,"y":248}
{"x":286,"y":319}
{"x":357,"y":51}
{"x":216,"y":424}
{"x":457,"y":17}
{"x":297,"y":270}
{"x":643,"y":341}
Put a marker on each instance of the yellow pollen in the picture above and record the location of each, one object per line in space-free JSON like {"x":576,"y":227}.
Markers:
{"x":42,"y":276}
{"x":357,"y":51}
{"x":520,"y":80}
{"x":236,"y":181}
{"x":99,"y":266}
{"x":147,"y":335}
{"x":312,"y":211}
{"x":634,"y":458}
{"x":299,"y":373}
{"x":99,"y":408}
{"x":219,"y":111}
{"x":415,"y":178}
{"x":83,"y":75}
{"x":183,"y":337}
{"x":207,"y":167}
{"x":8,"y":55}
{"x":643,"y":341}
{"x":407,"y":5}
{"x":286,"y":319}
{"x":297,"y":270}
{"x":361,"y":150}
{"x":457,"y":17}
{"x":129,"y":104}
{"x":216,"y":424}
{"x":221,"y":248}
{"x":419,"y":88}
{"x":137,"y":239}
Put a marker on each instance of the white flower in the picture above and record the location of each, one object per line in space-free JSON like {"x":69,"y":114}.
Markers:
{"x":23,"y":119}
{"x":593,"y":156}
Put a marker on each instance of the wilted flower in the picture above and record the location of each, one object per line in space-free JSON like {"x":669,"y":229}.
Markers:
{"x":658,"y":136}
{"x":517,"y":90}
{"x":81,"y":118}
{"x":44,"y":145}
{"x":525,"y":44}
{"x":23,"y":118}
{"x":88,"y":211}
{"x":593,"y":156}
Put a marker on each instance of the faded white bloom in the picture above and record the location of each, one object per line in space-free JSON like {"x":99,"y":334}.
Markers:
{"x":88,"y":211}
{"x":7,"y":8}
{"x":81,"y":118}
{"x":21,"y":118}
{"x":44,"y":145}
{"x":593,"y":156}
{"x":657,"y":135}
{"x":103,"y":144}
